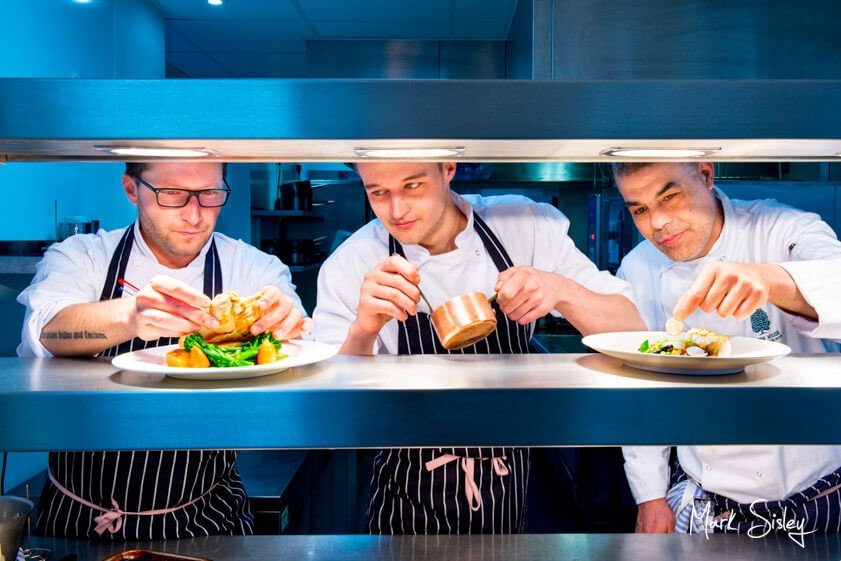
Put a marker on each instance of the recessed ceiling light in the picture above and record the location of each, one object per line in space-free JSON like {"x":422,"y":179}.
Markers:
{"x":414,"y":153}
{"x":659,"y":152}
{"x":214,"y":2}
{"x":82,"y":1}
{"x":157,"y":152}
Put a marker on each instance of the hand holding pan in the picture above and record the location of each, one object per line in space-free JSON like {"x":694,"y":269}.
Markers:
{"x":464,"y":320}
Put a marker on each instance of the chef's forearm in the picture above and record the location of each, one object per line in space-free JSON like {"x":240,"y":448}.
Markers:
{"x":591,"y":312}
{"x":358,"y":342}
{"x":87,"y":329}
{"x":783,"y":291}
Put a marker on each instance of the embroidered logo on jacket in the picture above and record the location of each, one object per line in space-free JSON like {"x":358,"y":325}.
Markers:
{"x":759,"y":321}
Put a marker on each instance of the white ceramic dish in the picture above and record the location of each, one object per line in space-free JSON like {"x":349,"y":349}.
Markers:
{"x":153,"y":361}
{"x":625,"y":345}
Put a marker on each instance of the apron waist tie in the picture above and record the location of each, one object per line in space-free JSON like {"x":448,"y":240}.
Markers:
{"x":112,"y":519}
{"x":471,"y":490}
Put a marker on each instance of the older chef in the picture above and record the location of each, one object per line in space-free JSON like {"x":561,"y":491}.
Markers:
{"x":741,"y":268}
{"x":75,"y":307}
{"x":368,"y":302}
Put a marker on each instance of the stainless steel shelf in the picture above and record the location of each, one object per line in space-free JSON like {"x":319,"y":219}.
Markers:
{"x":388,"y":401}
{"x":524,"y":547}
{"x":493,"y":120}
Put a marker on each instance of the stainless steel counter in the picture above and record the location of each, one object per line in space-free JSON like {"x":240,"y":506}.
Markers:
{"x":18,"y":264}
{"x":537,"y":400}
{"x":534,"y":547}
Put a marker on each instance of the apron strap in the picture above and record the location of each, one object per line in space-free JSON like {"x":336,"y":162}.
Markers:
{"x":471,"y":491}
{"x":117,"y":270}
{"x":112,"y":519}
{"x":493,"y":246}
{"x":118,"y":264}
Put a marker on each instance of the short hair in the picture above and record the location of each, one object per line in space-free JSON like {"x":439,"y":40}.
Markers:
{"x":621,"y":169}
{"x":352,"y":165}
{"x":134,"y":169}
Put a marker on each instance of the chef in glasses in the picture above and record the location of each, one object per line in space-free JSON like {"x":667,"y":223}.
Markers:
{"x":137,"y":287}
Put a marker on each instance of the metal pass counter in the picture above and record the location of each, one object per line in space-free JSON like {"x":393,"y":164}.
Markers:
{"x":386,"y":401}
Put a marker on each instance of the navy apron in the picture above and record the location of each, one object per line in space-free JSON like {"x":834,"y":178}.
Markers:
{"x":818,"y":508}
{"x":140,"y":481}
{"x":409,"y":498}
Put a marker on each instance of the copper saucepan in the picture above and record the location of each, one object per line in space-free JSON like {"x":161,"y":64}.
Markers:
{"x":464,"y":320}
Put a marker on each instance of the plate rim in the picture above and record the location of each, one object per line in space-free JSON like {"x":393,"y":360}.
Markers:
{"x":233,"y":371}
{"x":687,"y":365}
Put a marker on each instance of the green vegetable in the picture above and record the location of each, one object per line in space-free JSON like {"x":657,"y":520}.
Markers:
{"x":244,"y":354}
{"x":644,"y":347}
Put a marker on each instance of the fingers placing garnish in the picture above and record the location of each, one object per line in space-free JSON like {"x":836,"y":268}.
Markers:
{"x":674,"y":327}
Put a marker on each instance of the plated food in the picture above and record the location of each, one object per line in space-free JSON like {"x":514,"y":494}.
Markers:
{"x":625,"y":346}
{"x":697,"y":342}
{"x":231,"y":344}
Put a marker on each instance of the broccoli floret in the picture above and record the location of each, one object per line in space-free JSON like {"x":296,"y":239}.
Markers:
{"x":235,"y":355}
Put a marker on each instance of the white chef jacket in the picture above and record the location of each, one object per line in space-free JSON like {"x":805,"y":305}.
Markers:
{"x":534,"y":234}
{"x":762,"y":231}
{"x":74,"y":271}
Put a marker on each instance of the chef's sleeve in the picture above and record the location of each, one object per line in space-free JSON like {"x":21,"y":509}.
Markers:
{"x":647,"y":470}
{"x":64,"y":277}
{"x":815,"y":265}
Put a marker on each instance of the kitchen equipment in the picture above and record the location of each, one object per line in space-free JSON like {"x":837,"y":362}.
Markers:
{"x":24,"y":247}
{"x":299,"y":251}
{"x":464,"y":320}
{"x":294,"y":195}
{"x":14,"y":512}
{"x":611,"y":233}
{"x":72,"y":225}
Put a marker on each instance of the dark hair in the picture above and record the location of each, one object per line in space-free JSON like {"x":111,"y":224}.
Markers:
{"x":621,"y":169}
{"x":352,"y":165}
{"x":134,"y":169}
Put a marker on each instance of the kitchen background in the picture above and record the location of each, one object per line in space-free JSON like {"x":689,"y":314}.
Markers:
{"x":431,"y":39}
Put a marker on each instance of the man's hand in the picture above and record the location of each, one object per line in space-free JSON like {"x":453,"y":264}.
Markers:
{"x":280,"y":316}
{"x":526,"y":294}
{"x":390,"y":290}
{"x":169,"y":308}
{"x":729,"y":289}
{"x":655,"y":517}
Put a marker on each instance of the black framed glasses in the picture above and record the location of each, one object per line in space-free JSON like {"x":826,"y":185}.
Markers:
{"x":170,"y":197}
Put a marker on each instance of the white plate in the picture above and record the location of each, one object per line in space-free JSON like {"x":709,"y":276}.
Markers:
{"x":625,"y":345}
{"x":153,"y":361}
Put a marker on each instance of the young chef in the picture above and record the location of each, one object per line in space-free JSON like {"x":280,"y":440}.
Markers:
{"x":428,"y":238}
{"x":75,"y":307}
{"x":741,"y":268}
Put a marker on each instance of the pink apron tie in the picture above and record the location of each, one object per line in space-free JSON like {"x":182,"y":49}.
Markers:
{"x":112,"y":520}
{"x":471,"y":490}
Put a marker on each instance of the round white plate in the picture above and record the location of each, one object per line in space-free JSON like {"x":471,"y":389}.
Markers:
{"x":625,"y":345}
{"x":153,"y":361}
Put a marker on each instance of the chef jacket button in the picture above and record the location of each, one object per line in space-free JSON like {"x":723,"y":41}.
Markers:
{"x":478,"y":253}
{"x":758,"y":474}
{"x":707,"y":467}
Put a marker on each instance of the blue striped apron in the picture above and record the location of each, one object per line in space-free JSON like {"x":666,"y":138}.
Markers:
{"x":818,"y":508}
{"x":140,"y":481}
{"x":438,"y":490}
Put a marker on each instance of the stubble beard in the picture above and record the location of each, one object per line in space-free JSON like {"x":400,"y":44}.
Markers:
{"x":167,"y":241}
